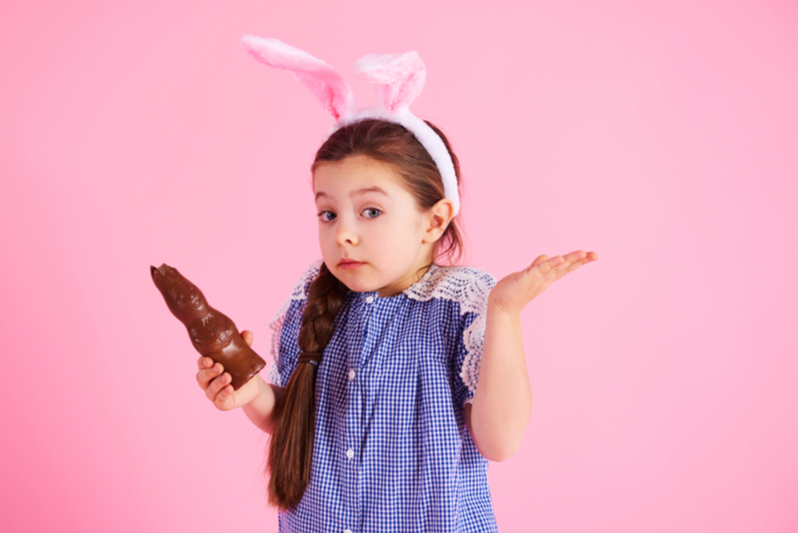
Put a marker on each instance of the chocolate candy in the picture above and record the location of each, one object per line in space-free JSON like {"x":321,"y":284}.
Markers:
{"x":213,"y":334}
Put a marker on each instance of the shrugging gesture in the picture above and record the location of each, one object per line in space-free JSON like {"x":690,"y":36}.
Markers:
{"x":501,"y":407}
{"x":515,"y":291}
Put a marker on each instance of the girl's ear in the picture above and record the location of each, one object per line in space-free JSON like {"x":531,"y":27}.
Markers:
{"x":439,"y":218}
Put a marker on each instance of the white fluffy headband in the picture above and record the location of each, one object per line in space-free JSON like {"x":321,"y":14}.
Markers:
{"x":399,"y":79}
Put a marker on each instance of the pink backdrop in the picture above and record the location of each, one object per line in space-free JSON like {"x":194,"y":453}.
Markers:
{"x":663,"y":136}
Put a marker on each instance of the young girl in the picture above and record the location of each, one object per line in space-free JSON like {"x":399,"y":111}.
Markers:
{"x":386,"y":399}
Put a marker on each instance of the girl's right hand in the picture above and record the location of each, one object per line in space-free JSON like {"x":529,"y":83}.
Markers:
{"x":213,"y":379}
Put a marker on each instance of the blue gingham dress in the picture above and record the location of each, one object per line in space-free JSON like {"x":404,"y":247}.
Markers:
{"x":391,"y":449}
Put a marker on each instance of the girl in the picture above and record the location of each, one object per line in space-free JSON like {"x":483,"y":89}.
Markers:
{"x":386,"y":400}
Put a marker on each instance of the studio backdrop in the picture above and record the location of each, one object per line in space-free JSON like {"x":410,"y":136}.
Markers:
{"x":662,"y":135}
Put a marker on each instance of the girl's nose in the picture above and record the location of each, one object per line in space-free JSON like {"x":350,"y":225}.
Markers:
{"x":345,"y":234}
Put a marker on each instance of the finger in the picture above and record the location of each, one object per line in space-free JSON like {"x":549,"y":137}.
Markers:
{"x":224,"y":400}
{"x":571,"y":267}
{"x":217,"y":385}
{"x":552,"y":263}
{"x":588,"y":258}
{"x":575,"y":259}
{"x":585,"y":257}
{"x":539,"y":260}
{"x":204,"y":362}
{"x":248,"y":337}
{"x":577,"y":255}
{"x":558,"y":274}
{"x":555,"y":273}
{"x":205,"y":376}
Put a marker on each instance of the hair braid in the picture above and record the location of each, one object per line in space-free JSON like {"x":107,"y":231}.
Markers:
{"x":292,"y":443}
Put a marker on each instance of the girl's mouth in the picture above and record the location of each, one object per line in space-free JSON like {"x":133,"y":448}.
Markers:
{"x":347,"y":264}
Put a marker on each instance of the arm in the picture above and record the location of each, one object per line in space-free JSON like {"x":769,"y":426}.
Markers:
{"x":259,"y":411}
{"x":502,"y":403}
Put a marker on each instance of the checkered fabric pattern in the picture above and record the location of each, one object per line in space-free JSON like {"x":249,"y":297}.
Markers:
{"x":391,"y":448}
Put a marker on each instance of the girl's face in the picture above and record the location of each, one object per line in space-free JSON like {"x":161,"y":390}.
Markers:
{"x":372,"y":234}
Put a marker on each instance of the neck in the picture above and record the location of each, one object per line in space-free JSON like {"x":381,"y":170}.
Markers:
{"x":421,"y":266}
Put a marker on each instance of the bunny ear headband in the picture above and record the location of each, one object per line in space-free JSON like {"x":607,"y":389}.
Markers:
{"x":398,"y":78}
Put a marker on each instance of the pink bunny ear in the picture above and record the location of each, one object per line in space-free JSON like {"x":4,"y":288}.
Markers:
{"x":326,"y":84}
{"x":399,"y":77}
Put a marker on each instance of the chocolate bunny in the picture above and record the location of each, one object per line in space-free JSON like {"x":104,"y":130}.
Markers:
{"x":213,"y":334}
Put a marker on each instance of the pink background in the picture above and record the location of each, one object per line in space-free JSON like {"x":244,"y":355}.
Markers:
{"x":662,"y":135}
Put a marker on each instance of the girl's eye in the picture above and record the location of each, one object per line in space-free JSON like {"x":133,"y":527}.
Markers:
{"x":326,"y":216}
{"x":372,"y":213}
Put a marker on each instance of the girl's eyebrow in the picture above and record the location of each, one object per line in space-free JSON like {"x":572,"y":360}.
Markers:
{"x":357,"y":192}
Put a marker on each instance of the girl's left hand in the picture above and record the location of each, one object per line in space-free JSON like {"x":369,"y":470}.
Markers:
{"x":515,"y":291}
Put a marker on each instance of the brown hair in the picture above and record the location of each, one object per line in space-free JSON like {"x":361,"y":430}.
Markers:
{"x":292,"y":442}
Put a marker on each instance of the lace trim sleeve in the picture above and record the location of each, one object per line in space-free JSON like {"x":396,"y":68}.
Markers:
{"x":470,"y":288}
{"x":473,"y":340}
{"x":299,"y":293}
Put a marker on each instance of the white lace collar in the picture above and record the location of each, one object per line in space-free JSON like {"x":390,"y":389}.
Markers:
{"x":467,"y":286}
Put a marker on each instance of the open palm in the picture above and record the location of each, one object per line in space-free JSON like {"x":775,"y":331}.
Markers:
{"x":515,"y":291}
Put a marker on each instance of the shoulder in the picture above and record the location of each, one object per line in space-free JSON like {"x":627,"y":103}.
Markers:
{"x":467,"y":286}
{"x":300,"y":290}
{"x":288,"y":320}
{"x":297,"y":299}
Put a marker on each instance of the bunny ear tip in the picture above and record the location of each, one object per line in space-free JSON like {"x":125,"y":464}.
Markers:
{"x":408,"y":61}
{"x":250,"y":42}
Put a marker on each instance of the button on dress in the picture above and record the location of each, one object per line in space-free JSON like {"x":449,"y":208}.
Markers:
{"x":391,"y":448}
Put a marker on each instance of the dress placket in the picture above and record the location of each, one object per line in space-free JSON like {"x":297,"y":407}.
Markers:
{"x":356,"y":357}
